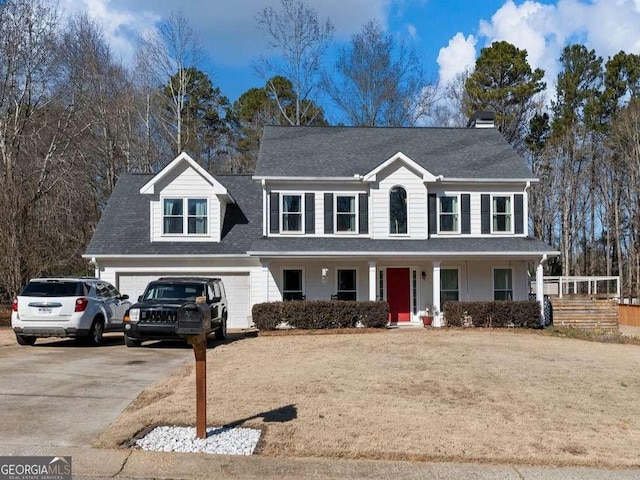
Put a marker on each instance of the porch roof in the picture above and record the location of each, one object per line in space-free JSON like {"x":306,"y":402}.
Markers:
{"x":434,"y":247}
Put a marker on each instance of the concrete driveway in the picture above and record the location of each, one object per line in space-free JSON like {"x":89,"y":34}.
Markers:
{"x":59,"y":394}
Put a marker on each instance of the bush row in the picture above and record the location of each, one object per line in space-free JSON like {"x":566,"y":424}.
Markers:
{"x":317,"y":314}
{"x":523,"y":314}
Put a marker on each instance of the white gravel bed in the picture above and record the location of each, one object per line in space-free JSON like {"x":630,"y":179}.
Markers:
{"x":221,"y":440}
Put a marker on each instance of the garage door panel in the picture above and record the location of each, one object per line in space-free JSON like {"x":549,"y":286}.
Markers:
{"x":237,"y":287}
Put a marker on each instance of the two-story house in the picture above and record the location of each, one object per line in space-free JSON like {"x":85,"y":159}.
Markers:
{"x":413,"y":216}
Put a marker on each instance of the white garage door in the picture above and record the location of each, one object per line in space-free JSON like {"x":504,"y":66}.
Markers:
{"x":236,"y":286}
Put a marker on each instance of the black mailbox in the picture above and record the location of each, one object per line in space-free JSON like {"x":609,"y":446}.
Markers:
{"x":193,"y":319}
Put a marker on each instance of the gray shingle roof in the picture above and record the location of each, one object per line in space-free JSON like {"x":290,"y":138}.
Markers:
{"x":124,"y":225}
{"x":348,"y":151}
{"x":458,"y":245}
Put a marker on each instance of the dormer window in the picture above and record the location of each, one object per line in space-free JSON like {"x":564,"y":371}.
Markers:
{"x":398,"y":211}
{"x":174,"y":220}
{"x":292,"y":213}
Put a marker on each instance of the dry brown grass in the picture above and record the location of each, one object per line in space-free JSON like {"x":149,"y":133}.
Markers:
{"x":485,"y":396}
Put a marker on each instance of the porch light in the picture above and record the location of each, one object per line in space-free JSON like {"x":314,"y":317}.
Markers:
{"x":424,"y":275}
{"x":325,"y":273}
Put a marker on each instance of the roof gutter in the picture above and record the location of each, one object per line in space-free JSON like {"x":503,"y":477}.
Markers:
{"x":399,"y":254}
{"x":94,"y":256}
{"x":489,"y":180}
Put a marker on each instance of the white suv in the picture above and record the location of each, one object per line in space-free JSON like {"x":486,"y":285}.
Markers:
{"x":80,"y":308}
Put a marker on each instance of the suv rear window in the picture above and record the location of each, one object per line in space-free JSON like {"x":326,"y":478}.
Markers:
{"x":173,"y":291}
{"x":54,"y":289}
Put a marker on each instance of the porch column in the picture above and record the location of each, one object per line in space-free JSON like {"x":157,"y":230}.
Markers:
{"x":436,"y":292}
{"x":372,"y":280}
{"x":265,"y":279}
{"x":540,"y":286}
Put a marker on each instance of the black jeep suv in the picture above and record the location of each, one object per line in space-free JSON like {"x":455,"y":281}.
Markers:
{"x":154,"y":316}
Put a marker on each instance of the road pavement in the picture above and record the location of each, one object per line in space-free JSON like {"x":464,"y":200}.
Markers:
{"x":58,"y":393}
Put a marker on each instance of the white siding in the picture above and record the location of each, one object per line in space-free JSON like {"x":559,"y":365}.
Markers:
{"x":313,"y":287}
{"x":475,"y":192}
{"x":131,"y":276}
{"x":475,"y":281}
{"x":398,"y":174}
{"x":318,"y":192}
{"x":185,"y":182}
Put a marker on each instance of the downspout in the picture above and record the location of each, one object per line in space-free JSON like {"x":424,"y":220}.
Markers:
{"x":526,"y":206}
{"x":96,"y":267}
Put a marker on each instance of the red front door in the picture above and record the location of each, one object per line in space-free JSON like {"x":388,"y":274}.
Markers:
{"x":399,"y":294}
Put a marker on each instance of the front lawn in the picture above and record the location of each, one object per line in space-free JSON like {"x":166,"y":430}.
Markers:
{"x":455,"y":395}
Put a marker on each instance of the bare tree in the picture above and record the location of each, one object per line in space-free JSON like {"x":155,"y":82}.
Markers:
{"x":170,"y":52}
{"x":301,"y":41}
{"x":38,"y":127}
{"x":379,"y":81}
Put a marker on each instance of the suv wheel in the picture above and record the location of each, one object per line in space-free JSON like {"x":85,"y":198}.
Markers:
{"x":25,"y":339}
{"x":221,"y":332}
{"x":132,"y":342}
{"x":95,"y":334}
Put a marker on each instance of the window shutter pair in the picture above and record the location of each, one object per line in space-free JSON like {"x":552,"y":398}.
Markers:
{"x":363,"y":213}
{"x":465,"y":213}
{"x":309,"y":213}
{"x":518,"y":213}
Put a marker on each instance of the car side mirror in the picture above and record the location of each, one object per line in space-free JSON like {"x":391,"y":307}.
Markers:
{"x":139,"y":298}
{"x":124,"y":297}
{"x":216,"y":299}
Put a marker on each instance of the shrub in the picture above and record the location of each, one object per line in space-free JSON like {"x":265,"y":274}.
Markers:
{"x":320,"y":314}
{"x":523,"y":314}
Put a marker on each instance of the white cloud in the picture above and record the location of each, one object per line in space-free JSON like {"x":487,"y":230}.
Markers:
{"x":607,"y":26}
{"x":459,"y":55}
{"x":413,"y":31}
{"x":227,"y":27}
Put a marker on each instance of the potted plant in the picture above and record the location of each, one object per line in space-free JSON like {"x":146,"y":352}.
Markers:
{"x":427,"y":315}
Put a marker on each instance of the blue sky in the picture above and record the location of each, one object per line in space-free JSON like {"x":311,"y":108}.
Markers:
{"x":448,"y":33}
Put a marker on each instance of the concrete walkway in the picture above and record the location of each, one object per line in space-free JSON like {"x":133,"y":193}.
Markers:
{"x":89,"y":463}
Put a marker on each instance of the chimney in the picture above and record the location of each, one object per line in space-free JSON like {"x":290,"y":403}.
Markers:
{"x":482,"y":119}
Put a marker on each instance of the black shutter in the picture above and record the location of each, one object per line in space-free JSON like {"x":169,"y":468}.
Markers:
{"x":309,"y":213}
{"x":465,"y":199}
{"x":485,"y":213}
{"x":433,"y":213}
{"x":363,"y":220}
{"x":518,"y":213}
{"x":328,"y":213}
{"x":274,"y":212}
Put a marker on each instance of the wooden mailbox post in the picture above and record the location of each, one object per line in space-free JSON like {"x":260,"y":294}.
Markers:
{"x":192,"y":318}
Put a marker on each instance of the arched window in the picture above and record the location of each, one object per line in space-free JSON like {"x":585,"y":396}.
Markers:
{"x":397,"y":211}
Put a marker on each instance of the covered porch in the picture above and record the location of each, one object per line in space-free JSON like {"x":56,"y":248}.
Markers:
{"x":410,"y":284}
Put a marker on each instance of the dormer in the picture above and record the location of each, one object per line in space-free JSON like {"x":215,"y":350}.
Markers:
{"x":186,"y":203}
{"x":399,"y":198}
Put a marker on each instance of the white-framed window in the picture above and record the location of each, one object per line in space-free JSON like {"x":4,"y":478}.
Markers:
{"x":346,"y":213}
{"x":502,"y":213}
{"x":449,"y":214}
{"x":347,"y":286}
{"x":292,"y":208}
{"x":449,"y":285}
{"x":502,"y":284}
{"x":398,"y":211}
{"x":292,"y":284}
{"x":180,"y":215}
